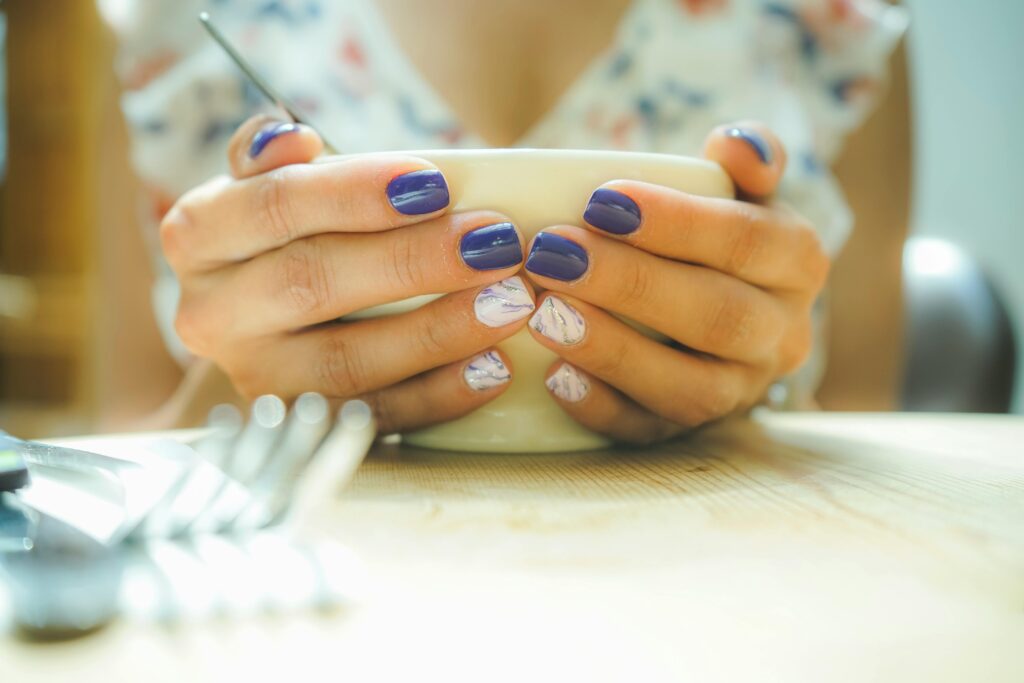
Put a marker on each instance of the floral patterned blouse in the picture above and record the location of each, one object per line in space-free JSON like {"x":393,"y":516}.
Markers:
{"x":811,"y":69}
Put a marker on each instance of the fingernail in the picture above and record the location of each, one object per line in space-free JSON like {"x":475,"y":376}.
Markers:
{"x":268,"y":134}
{"x":503,"y":303}
{"x":558,"y":321}
{"x":491,"y":247}
{"x":486,"y":371}
{"x":754,"y":139}
{"x":568,"y":384}
{"x":556,"y":257}
{"x":612,"y":212}
{"x":418,"y":192}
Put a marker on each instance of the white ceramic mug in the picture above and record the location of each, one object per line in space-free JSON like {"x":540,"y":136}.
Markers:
{"x":537,"y":188}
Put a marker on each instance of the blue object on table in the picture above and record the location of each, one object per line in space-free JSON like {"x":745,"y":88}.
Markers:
{"x":17,"y":525}
{"x":13,"y":471}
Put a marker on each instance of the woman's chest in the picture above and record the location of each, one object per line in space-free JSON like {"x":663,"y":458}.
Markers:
{"x":501,"y":65}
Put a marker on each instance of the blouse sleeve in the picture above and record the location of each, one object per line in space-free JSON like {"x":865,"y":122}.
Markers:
{"x":830,"y":58}
{"x":838,"y":51}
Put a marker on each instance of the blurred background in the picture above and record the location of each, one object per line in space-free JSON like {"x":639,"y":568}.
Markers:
{"x":57,"y":138}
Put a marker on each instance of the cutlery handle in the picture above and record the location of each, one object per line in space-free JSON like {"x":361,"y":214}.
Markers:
{"x":13,"y":471}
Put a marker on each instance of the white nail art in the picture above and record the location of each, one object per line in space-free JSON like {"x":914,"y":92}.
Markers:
{"x":503,"y":303}
{"x":485,"y":371}
{"x":559,"y":321}
{"x":568,"y":384}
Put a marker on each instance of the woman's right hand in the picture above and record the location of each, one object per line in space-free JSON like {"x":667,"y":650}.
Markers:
{"x":270,"y":257}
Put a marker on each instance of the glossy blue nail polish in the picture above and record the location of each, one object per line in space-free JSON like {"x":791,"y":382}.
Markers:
{"x":757,"y":143}
{"x":267,"y":135}
{"x":612,"y":212}
{"x":418,"y":192}
{"x":491,"y":247}
{"x":556,"y":257}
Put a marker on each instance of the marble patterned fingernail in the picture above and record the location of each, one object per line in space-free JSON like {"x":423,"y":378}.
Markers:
{"x":486,"y":371}
{"x":568,"y":384}
{"x":558,"y":321}
{"x":503,"y":302}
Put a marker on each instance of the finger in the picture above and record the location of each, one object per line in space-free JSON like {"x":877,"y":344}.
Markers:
{"x":679,"y":386}
{"x":224,"y":222}
{"x":442,"y":394}
{"x":350,"y":359}
{"x":602,"y":409}
{"x":321,"y":278}
{"x":767,"y":247}
{"x":751,"y":154}
{"x":264,"y":143}
{"x":698,"y":307}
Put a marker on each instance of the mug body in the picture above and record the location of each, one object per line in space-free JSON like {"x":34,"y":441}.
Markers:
{"x":536,"y":189}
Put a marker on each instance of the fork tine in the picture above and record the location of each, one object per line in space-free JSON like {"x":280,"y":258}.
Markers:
{"x":193,"y":490}
{"x":334,"y":463}
{"x":244,"y":462}
{"x":308,"y":423}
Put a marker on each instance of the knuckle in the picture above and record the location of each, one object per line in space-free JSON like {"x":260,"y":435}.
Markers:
{"x":813,"y":260}
{"x":404,"y":264}
{"x":273,"y":207}
{"x":612,"y":355}
{"x":796,"y":349}
{"x":635,"y":283}
{"x":649,"y":433}
{"x":747,"y":244}
{"x":733,"y":322}
{"x":430,"y":339}
{"x":248,"y":381}
{"x":305,"y":278}
{"x":385,"y":412}
{"x":341,"y":370}
{"x":175,"y":227}
{"x":661,"y":430}
{"x":817,"y":260}
{"x":716,"y":400}
{"x":191,"y":326}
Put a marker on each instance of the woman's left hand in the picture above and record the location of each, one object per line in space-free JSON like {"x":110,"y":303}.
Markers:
{"x":731,"y":281}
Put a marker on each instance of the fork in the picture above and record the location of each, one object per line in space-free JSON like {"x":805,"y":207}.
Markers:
{"x":274,"y":469}
{"x":241,"y":479}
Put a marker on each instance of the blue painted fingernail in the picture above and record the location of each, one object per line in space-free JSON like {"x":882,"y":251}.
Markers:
{"x":612,"y":212}
{"x":491,"y":247}
{"x":418,"y":192}
{"x":758,"y":143}
{"x":556,"y":257}
{"x":268,"y":134}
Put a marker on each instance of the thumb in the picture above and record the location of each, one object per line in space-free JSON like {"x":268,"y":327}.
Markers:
{"x":264,"y":143}
{"x":752,"y":156}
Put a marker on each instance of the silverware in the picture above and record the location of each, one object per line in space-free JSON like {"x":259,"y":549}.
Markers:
{"x":261,"y":84}
{"x":232,"y":511}
{"x":276,"y":468}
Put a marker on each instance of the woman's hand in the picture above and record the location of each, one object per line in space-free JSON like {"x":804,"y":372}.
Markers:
{"x":731,"y":282}
{"x":269,"y":258}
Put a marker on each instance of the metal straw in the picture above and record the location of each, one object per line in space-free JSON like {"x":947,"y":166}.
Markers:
{"x":261,"y":84}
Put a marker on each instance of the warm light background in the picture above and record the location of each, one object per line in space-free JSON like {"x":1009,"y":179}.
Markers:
{"x":58,"y":78}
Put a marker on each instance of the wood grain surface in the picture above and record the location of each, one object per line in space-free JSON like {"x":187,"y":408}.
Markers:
{"x":787,"y":547}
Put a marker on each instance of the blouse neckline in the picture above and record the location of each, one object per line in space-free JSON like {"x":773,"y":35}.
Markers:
{"x":404,"y":71}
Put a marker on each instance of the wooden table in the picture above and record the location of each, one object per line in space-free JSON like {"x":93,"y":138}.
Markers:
{"x":789,"y":547}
